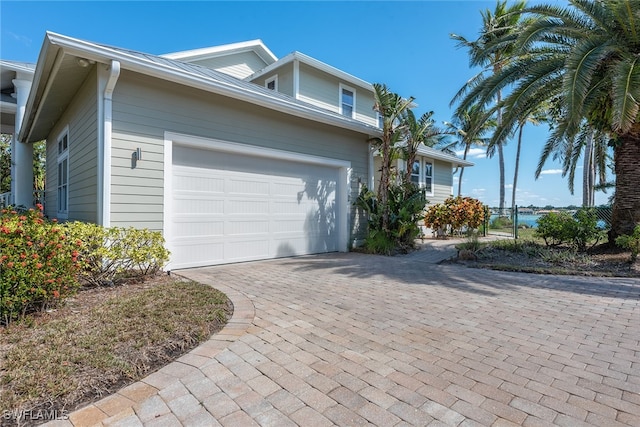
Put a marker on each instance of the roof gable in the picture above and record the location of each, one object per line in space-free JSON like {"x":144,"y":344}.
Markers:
{"x":58,"y":49}
{"x":237,"y":59}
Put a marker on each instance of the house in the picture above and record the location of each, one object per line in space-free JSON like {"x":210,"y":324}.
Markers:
{"x":233,"y":154}
{"x":15,"y":83}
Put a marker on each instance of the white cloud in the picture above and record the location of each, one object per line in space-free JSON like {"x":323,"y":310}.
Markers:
{"x":478,"y":191}
{"x":474,"y":153}
{"x":20,"y":38}
{"x":508,"y":186}
{"x":551,"y":172}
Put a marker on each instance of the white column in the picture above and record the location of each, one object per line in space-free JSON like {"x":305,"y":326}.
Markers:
{"x":21,"y":153}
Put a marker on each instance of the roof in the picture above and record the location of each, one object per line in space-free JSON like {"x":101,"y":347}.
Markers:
{"x":59,"y":55}
{"x":432,"y":153}
{"x":305,"y":59}
{"x":256,"y":46}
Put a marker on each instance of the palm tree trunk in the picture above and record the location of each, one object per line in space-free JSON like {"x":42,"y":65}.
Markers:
{"x":501,"y":161}
{"x":464,"y":157}
{"x":626,"y":206}
{"x":587,"y":167}
{"x":500,"y":152}
{"x":383,"y":190}
{"x":515,"y":173}
{"x":410,"y":161}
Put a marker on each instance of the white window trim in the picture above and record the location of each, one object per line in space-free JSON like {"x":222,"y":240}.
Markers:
{"x":64,"y":214}
{"x":272,"y":79}
{"x":352,"y":90}
{"x":422,"y":181}
{"x":423,"y":175}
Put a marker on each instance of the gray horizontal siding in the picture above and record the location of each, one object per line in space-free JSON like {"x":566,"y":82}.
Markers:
{"x":81,"y":117}
{"x":144,"y":108}
{"x":322,"y":89}
{"x":238,"y":65}
{"x":443,"y":180}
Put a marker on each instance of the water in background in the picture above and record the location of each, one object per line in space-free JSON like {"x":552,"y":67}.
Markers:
{"x":528,"y":220}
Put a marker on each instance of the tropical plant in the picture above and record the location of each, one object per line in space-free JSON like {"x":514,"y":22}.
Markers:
{"x":471,"y":127}
{"x":417,"y":132}
{"x":406,"y":204}
{"x":390,"y":106}
{"x":584,"y":58}
{"x":630,"y":242}
{"x":492,"y":51}
{"x":454,"y":214}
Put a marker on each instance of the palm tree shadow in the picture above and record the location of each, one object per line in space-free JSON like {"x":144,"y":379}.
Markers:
{"x":379,"y":269}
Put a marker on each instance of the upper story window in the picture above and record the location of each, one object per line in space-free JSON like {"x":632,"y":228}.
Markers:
{"x":422,"y":174}
{"x":347,"y":101}
{"x":272,"y":83}
{"x":63,"y":175}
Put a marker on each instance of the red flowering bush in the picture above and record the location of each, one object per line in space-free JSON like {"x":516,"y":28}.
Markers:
{"x":454,"y":214}
{"x":38,"y":263}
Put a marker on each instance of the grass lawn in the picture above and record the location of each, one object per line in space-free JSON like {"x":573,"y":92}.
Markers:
{"x":103,"y":339}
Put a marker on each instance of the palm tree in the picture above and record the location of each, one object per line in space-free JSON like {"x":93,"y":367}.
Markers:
{"x":535,"y":118}
{"x":593,"y":146}
{"x":417,"y":132}
{"x":471,"y":127}
{"x":585,"y":56}
{"x":492,"y":51}
{"x":391,"y":108}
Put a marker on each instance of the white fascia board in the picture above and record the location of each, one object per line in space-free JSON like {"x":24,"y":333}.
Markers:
{"x":439,"y":155}
{"x":312,"y":62}
{"x":40,"y":86}
{"x":130,"y":62}
{"x":19,"y":68}
{"x":8,"y":107}
{"x":207,"y":52}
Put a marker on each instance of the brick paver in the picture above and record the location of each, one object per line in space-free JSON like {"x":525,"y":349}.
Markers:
{"x":352,"y":339}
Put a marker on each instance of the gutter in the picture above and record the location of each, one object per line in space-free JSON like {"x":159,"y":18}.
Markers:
{"x":133,"y":63}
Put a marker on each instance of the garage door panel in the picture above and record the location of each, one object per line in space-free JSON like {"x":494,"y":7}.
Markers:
{"x":246,"y":206}
{"x":195,"y":180}
{"x":230,"y":208}
{"x":247,"y":186}
{"x":188,"y":228}
{"x":246,"y":227}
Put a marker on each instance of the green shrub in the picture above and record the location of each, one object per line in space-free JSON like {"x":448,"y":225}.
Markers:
{"x":630,"y":242}
{"x":38,"y":263}
{"x":114,"y":253}
{"x":585,"y":229}
{"x":501,"y":222}
{"x":406,"y":204}
{"x":557,"y":228}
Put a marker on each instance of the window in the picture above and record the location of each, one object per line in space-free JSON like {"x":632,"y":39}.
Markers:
{"x":272,"y":83}
{"x":422,"y":175}
{"x":380,"y":120}
{"x":63,"y":175}
{"x":347,"y":101}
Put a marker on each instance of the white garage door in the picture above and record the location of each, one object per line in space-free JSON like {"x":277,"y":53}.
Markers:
{"x":230,"y":207}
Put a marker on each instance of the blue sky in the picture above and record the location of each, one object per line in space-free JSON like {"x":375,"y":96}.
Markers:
{"x":405,"y":45}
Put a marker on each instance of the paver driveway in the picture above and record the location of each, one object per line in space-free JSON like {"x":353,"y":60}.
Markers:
{"x":352,"y":339}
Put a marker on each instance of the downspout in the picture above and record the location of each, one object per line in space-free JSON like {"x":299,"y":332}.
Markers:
{"x":370,"y":167}
{"x":104,"y":157}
